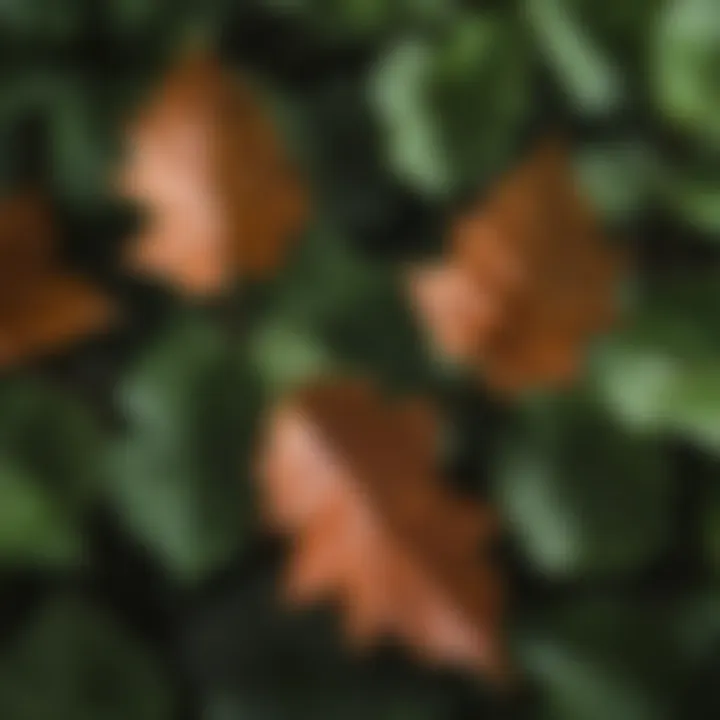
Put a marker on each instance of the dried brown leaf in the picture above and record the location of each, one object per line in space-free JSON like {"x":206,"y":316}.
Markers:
{"x":222,"y":197}
{"x":42,"y":307}
{"x":351,"y":479}
{"x":534,"y":257}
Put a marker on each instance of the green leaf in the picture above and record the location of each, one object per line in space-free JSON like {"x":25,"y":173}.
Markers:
{"x":591,"y":80}
{"x":178,"y":478}
{"x":52,"y":435}
{"x":452,"y":107}
{"x":412,"y":134}
{"x":604,"y":659}
{"x":686,"y":67}
{"x":80,"y":155}
{"x":78,"y":122}
{"x":35,"y":528}
{"x":636,"y":382}
{"x":693,"y":403}
{"x":582,"y":496}
{"x":374,"y":333}
{"x":697,"y":200}
{"x":337,"y":312}
{"x":619,"y":178}
{"x":49,"y":473}
{"x":619,"y":27}
{"x":73,"y":663}
{"x":24,"y":94}
{"x":287,"y":357}
{"x":27,"y":20}
{"x":287,"y":347}
{"x":661,"y":373}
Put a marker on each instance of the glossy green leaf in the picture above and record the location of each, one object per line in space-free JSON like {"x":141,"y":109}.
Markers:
{"x":49,"y":474}
{"x":287,"y":357}
{"x":179,"y":477}
{"x":340,"y":312}
{"x":662,"y":372}
{"x":618,"y":177}
{"x":686,"y":65}
{"x":620,"y":27}
{"x":582,"y":496}
{"x":590,"y":78}
{"x":451,"y":107}
{"x":77,"y":122}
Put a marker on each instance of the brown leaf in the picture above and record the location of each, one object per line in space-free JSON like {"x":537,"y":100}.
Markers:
{"x":42,"y":307}
{"x":222,"y":197}
{"x":351,"y":479}
{"x":533,"y":257}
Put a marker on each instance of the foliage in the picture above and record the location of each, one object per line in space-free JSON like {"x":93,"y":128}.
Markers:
{"x":585,"y":497}
{"x":135,"y":577}
{"x":178,"y":478}
{"x":49,"y":455}
{"x":74,"y":663}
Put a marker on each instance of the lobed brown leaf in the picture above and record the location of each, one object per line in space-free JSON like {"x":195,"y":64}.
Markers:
{"x":528,"y":281}
{"x":351,"y":479}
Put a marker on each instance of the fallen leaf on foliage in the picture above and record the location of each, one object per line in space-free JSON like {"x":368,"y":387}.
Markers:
{"x":528,"y":281}
{"x":42,"y":306}
{"x":208,"y":166}
{"x":351,"y":479}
